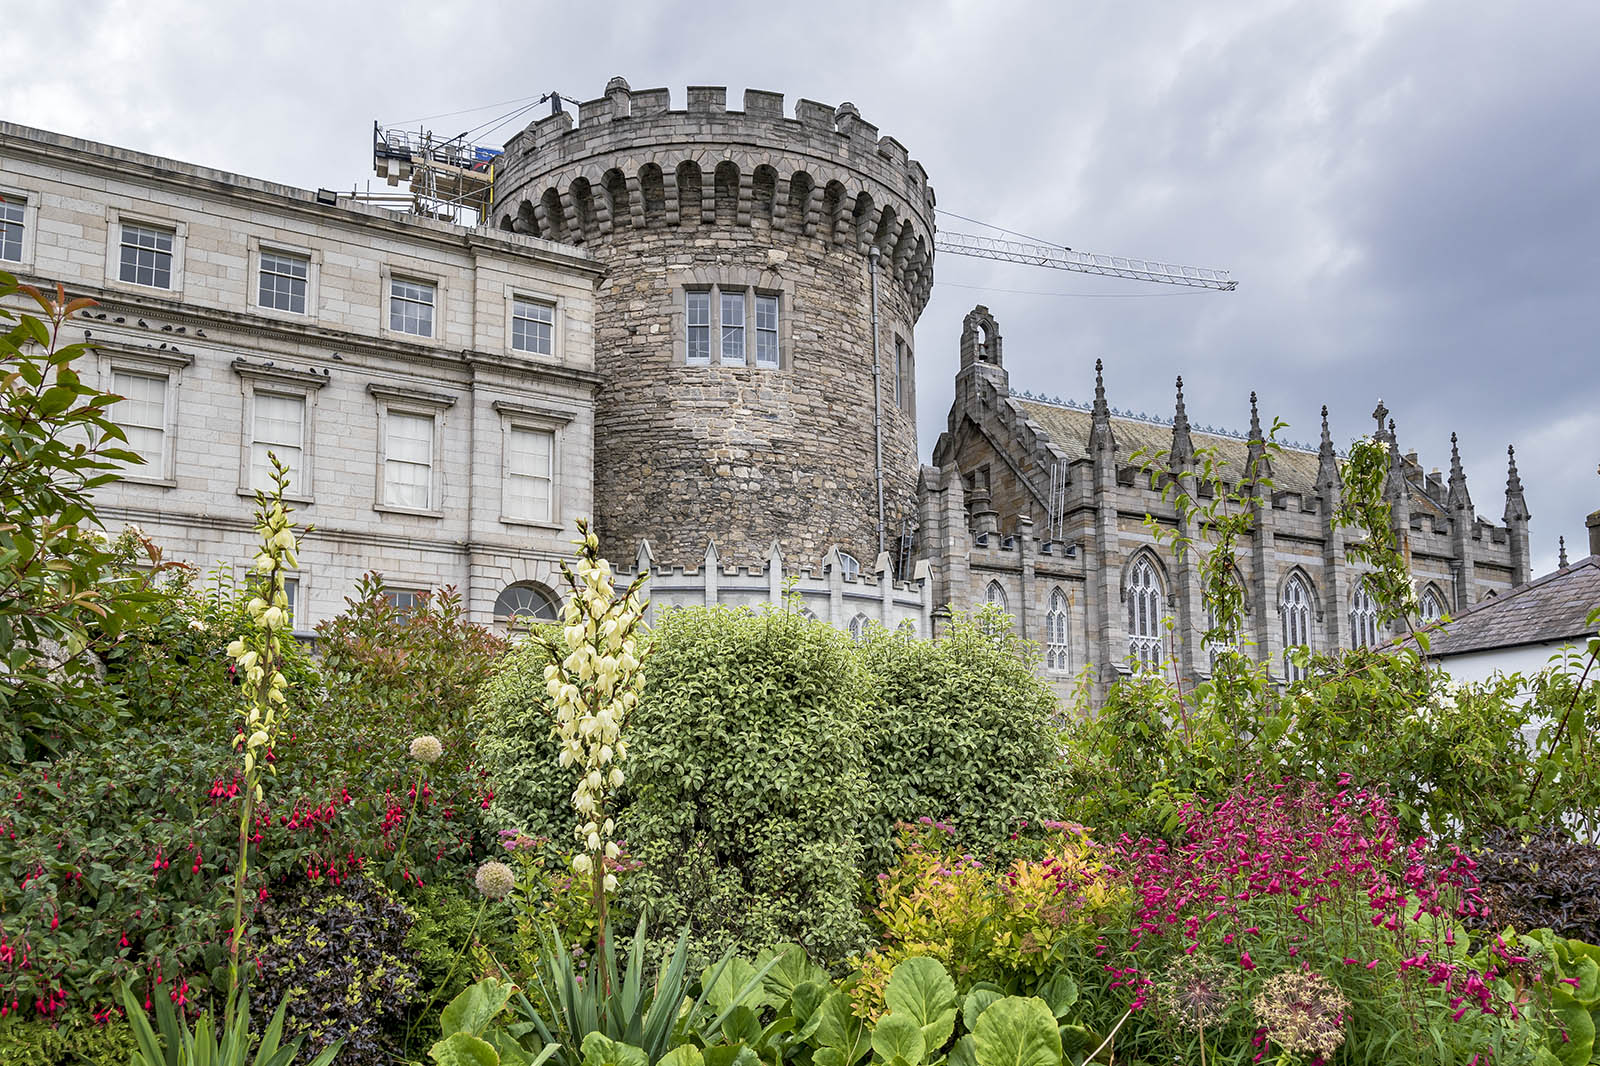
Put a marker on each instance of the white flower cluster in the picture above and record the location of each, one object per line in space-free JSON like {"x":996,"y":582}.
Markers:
{"x":257,"y":652}
{"x":594,"y":688}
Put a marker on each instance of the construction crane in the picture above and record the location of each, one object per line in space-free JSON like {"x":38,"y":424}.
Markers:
{"x":1058,"y":257}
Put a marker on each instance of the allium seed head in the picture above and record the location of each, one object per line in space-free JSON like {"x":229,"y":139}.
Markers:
{"x":427,"y":749}
{"x":1303,"y":1012}
{"x":495,"y":880}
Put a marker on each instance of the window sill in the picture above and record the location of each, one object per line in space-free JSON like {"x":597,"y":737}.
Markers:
{"x":303,"y":501}
{"x":173,"y":293}
{"x":415,"y":512}
{"x":151,"y":482}
{"x":532,"y":523}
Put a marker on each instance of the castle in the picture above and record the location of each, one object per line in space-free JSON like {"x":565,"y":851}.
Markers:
{"x":697,"y":325}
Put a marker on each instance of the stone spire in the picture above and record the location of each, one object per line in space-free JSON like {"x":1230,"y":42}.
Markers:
{"x":1100,"y":436}
{"x":1561,"y":559}
{"x":1327,"y":462}
{"x":1459,"y":499}
{"x":1182,"y":444}
{"x":1257,"y":464}
{"x":1516,"y":504}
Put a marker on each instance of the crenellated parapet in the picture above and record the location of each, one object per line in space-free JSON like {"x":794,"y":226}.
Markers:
{"x":631,"y":162}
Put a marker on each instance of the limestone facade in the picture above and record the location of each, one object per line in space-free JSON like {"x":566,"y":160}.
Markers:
{"x":438,"y":456}
{"x":1041,"y":505}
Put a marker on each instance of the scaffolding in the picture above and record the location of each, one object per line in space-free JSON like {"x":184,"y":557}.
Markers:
{"x":446,"y":178}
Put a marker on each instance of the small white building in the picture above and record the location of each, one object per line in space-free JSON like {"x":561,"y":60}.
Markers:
{"x":1542,"y":623}
{"x":432,"y":387}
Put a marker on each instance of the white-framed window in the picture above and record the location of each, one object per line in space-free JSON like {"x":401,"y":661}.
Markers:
{"x":406,"y":601}
{"x":733,"y":339}
{"x":1147,"y":612}
{"x":530,"y":473}
{"x":408,"y":460}
{"x":411,"y":306}
{"x":1296,"y":612}
{"x":533,"y":325}
{"x":697,"y":327}
{"x":1363,"y":617}
{"x":858,"y":627}
{"x":1057,"y":657}
{"x":145,"y":255}
{"x":142,"y":413}
{"x":524,"y":603}
{"x":767,"y":348}
{"x":282,"y":281}
{"x":291,"y":592}
{"x":849,"y":566}
{"x":278,"y":427}
{"x":13,"y":220}
{"x":1432,"y":608}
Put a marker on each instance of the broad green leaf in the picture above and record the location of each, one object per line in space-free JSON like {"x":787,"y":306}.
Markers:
{"x":464,"y":1049}
{"x":601,"y":1050}
{"x":841,"y":1030}
{"x":731,"y":1055}
{"x":1061,"y":994}
{"x":725,"y":984}
{"x":792,"y":969}
{"x":1017,"y":1032}
{"x":963,"y":1053}
{"x":511,"y":1052}
{"x":1579,"y":1025}
{"x":897,"y":1036}
{"x":741,"y":1026}
{"x":920,"y":989}
{"x":977,"y":1000}
{"x":685,"y":1055}
{"x":474,"y":1010}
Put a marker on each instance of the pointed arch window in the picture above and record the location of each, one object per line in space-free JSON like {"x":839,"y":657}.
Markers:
{"x":1296,"y":612}
{"x":1147,"y":614}
{"x":858,"y":627}
{"x":1057,"y":660}
{"x":996,"y":595}
{"x":1216,"y":646}
{"x":1363,"y":617}
{"x":1432,"y":608}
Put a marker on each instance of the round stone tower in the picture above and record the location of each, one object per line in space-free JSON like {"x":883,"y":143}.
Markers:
{"x":733,"y":330}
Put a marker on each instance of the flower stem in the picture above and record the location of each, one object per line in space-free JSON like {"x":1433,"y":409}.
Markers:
{"x":416,"y":797}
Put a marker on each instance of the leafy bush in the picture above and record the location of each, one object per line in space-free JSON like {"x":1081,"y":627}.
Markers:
{"x":963,"y":732}
{"x":337,"y":955}
{"x":517,"y":743}
{"x":77,"y":1042}
{"x":749,"y":781}
{"x":1541,"y":881}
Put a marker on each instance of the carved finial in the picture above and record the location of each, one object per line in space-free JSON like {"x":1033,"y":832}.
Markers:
{"x":1327,"y":463}
{"x":1257,"y":463}
{"x":1100,"y":435}
{"x":1561,"y":560}
{"x":1182,"y":444}
{"x":1516,"y":503}
{"x":1255,"y":417}
{"x":1459,"y":499}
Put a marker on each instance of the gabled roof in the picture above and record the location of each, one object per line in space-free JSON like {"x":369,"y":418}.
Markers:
{"x":1547,"y":610}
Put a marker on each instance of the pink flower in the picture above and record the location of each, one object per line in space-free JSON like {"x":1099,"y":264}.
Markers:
{"x":1246,"y":962}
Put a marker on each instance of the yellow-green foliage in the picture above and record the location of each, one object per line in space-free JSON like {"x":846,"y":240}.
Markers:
{"x":1019,"y":922}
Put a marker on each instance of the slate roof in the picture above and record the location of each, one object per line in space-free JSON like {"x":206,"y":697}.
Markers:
{"x":1552,"y":608}
{"x":1293,"y":469}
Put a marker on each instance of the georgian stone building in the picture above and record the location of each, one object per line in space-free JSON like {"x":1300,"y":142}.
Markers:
{"x":431,"y":387}
{"x":1040,"y":506}
{"x":697,"y":325}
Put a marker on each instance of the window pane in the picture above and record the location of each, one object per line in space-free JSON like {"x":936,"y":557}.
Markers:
{"x":283,"y":282}
{"x":408,"y":459}
{"x":697,"y":319}
{"x":532,"y":326}
{"x":142,"y":414}
{"x":411,"y":307}
{"x":767,"y":331}
{"x":529,"y":474}
{"x":11,"y":228}
{"x":280,"y":428}
{"x":733,"y":328}
{"x":146,"y":256}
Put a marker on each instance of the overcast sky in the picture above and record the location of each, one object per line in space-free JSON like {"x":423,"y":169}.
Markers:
{"x":1406,"y":192}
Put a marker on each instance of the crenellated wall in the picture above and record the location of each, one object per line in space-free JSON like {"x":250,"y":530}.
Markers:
{"x":711,"y":200}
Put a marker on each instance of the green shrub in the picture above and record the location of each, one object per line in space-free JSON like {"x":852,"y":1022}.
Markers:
{"x":517,"y":745}
{"x":77,"y":1042}
{"x":963,"y":732}
{"x":749,"y":781}
{"x":336,"y":953}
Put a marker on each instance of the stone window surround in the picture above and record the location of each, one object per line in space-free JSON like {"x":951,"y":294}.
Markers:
{"x":115,"y":218}
{"x":30,"y":224}
{"x":313,"y":258}
{"x":170,"y":365}
{"x":553,"y":420}
{"x":1058,"y":602}
{"x":441,"y":297}
{"x":400,"y":399}
{"x":750,"y":281}
{"x":280,"y":381}
{"x":558,"y":323}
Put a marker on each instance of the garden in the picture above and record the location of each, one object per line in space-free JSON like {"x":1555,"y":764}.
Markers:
{"x":734,"y":837}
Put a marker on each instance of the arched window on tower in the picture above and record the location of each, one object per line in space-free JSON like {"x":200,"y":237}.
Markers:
{"x":1432,"y":608}
{"x":1363,"y":617}
{"x":1296,"y":611}
{"x":1147,"y":612}
{"x":524,"y":604}
{"x":996,"y":595}
{"x":1057,"y":660}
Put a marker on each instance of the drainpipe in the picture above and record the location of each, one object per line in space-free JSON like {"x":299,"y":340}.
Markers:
{"x":877,"y":394}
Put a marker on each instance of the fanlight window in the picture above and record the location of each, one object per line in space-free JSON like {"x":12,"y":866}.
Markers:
{"x":1432,"y":606}
{"x":1146,"y":615}
{"x":1296,"y":611}
{"x":1056,"y":658}
{"x":1363,"y":618}
{"x":522,"y":604}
